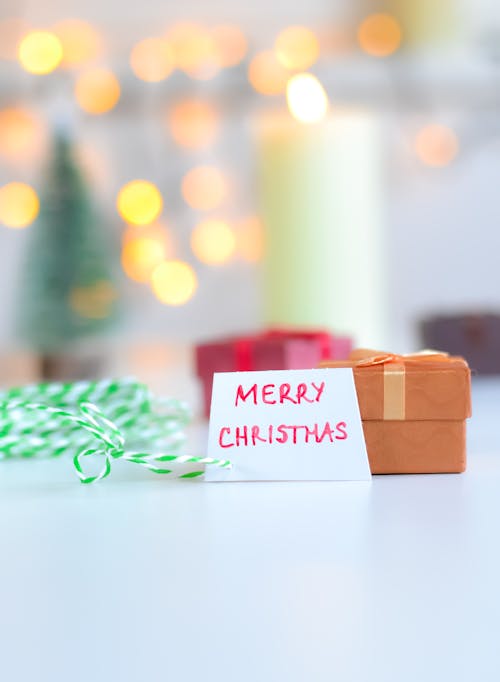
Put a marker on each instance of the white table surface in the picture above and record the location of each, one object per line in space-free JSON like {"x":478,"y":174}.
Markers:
{"x":141,"y":579}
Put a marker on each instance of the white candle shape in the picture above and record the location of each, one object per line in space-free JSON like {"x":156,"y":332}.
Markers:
{"x":321,"y":196}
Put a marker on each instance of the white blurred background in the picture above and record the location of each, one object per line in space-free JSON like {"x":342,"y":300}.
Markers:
{"x":435,"y":92}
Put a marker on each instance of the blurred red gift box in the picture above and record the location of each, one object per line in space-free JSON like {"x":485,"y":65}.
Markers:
{"x":274,"y":349}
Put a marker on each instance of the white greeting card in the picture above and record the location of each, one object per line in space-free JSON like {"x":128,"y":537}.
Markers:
{"x":287,"y":425}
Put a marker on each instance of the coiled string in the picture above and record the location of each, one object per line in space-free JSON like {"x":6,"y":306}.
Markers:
{"x":101,"y":420}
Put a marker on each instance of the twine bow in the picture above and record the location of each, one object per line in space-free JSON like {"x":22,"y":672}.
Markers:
{"x":368,"y":358}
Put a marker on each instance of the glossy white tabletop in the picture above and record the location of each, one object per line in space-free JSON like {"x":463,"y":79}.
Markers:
{"x":141,"y":579}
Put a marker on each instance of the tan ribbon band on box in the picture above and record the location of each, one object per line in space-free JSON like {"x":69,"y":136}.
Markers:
{"x":395,"y":377}
{"x":394,"y":391}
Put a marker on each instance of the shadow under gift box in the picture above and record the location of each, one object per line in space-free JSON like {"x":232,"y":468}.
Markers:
{"x":413,"y":409}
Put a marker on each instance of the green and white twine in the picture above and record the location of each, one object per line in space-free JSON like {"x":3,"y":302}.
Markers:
{"x":108,"y":420}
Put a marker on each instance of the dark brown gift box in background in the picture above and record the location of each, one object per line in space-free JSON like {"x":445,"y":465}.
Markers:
{"x":476,"y":337}
{"x":413,"y":410}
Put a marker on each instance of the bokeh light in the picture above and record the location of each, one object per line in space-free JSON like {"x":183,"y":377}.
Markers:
{"x":141,"y":255}
{"x":213,"y":242}
{"x":436,"y":145}
{"x":297,"y":48}
{"x":22,"y":133}
{"x":139,"y":202}
{"x":80,"y":41}
{"x":40,"y":52}
{"x":19,"y":205}
{"x":306,"y":98}
{"x":144,"y":248}
{"x":195,"y":50}
{"x":97,"y":91}
{"x":379,"y":35}
{"x":204,"y":188}
{"x":174,"y":282}
{"x":152,"y":59}
{"x":94,"y":301}
{"x":250,"y":239}
{"x":194,"y":123}
{"x":266,"y":74}
{"x":230,"y":44}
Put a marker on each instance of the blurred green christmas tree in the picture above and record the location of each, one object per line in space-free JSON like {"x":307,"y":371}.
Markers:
{"x":67,"y":282}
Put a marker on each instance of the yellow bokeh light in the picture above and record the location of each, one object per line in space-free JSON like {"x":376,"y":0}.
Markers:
{"x":213,"y":242}
{"x":21,"y":133}
{"x":152,"y":60}
{"x":97,"y":91}
{"x":195,"y":50}
{"x":94,"y":301}
{"x":194,"y":123}
{"x":174,"y":282}
{"x":139,"y":202}
{"x":141,"y":255}
{"x":379,"y":35}
{"x":40,"y":52}
{"x":436,"y":145}
{"x":80,"y":41}
{"x":306,"y":98}
{"x":230,"y":44}
{"x":297,"y":48}
{"x":204,"y":188}
{"x":140,"y":260}
{"x":250,"y":239}
{"x":19,"y":205}
{"x":266,"y":74}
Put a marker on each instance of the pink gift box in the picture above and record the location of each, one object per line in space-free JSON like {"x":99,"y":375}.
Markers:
{"x":274,"y":349}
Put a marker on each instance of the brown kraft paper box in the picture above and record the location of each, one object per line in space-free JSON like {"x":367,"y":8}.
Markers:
{"x":413,"y":408}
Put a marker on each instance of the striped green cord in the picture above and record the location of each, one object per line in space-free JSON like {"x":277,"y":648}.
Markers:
{"x":140,"y":416}
{"x":122,"y":416}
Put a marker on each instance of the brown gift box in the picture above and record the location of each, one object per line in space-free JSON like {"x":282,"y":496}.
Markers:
{"x":413,"y":410}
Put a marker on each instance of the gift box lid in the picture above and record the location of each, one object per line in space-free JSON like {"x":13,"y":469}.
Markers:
{"x":275,"y":348}
{"x":259,"y":352}
{"x":424,"y":386}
